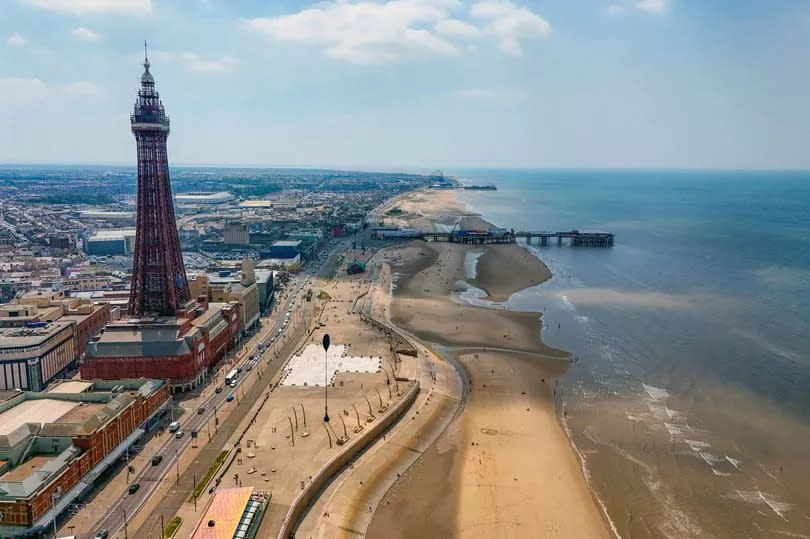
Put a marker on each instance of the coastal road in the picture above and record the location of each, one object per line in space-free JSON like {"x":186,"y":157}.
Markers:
{"x":118,"y":515}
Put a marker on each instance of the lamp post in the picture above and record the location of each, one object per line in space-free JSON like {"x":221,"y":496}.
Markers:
{"x":326,"y":341}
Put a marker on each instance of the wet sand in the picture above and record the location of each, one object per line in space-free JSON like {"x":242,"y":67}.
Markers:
{"x":504,"y":466}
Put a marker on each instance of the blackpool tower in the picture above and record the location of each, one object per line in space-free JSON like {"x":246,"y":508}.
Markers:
{"x":159,"y":286}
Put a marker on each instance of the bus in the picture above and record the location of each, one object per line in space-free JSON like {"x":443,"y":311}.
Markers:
{"x":230,"y":378}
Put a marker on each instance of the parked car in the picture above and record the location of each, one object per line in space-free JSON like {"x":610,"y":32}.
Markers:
{"x":201,"y":410}
{"x":250,"y":367}
{"x":102,"y":534}
{"x":229,"y":398}
{"x":218,"y":389}
{"x":157,"y":459}
{"x":174,"y":426}
{"x":133,"y":488}
{"x":179,"y":434}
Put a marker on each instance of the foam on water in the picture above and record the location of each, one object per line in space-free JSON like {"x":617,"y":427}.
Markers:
{"x":758,"y":497}
{"x":734,"y":462}
{"x":656,"y":393}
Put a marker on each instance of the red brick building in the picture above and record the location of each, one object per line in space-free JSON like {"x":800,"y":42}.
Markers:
{"x":178,"y":349}
{"x":84,"y":429}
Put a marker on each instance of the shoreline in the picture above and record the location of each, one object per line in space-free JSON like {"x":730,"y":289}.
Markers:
{"x":512,"y":465}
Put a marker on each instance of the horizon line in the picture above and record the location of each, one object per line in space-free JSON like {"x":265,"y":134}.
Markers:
{"x":410,"y":169}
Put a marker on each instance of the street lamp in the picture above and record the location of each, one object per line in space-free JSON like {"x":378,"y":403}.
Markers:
{"x":326,"y":341}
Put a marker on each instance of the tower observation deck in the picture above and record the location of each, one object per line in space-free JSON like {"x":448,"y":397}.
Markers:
{"x":159,"y":285}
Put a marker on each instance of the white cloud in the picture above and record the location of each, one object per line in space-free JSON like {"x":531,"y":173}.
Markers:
{"x":84,"y":34}
{"x":16,"y":40}
{"x":366,"y":32}
{"x":489,"y":95}
{"x":18,"y":90}
{"x":510,"y":23}
{"x":614,"y":9}
{"x":82,"y":88}
{"x":22,"y":90}
{"x":455,"y":27}
{"x":137,"y":7}
{"x":195,"y":62}
{"x":652,"y":6}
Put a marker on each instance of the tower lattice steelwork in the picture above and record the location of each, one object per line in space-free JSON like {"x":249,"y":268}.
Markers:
{"x":159,"y":285}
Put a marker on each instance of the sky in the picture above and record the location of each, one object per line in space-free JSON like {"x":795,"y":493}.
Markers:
{"x":413,"y":84}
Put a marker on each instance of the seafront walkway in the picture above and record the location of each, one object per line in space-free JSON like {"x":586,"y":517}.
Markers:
{"x":347,"y":505}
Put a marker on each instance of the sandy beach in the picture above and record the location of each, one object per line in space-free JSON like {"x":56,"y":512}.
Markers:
{"x":504,"y":465}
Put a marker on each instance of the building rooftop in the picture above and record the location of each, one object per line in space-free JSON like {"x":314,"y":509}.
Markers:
{"x":34,"y":411}
{"x":22,"y":337}
{"x":287,"y":243}
{"x":140,"y":338}
{"x":112,"y":234}
{"x":26,"y":468}
{"x":69,"y":386}
{"x":226,"y":511}
{"x":257,"y":204}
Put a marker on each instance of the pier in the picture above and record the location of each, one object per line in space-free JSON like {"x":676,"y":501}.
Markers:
{"x":574,"y":238}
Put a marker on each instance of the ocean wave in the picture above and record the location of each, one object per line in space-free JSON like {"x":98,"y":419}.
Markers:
{"x":758,"y":497}
{"x":734,"y":462}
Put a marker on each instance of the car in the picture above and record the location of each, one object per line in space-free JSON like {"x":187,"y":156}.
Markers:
{"x":101,"y":534}
{"x":174,"y":426}
{"x":157,"y":459}
{"x":201,"y":410}
{"x":218,"y":389}
{"x":179,"y":434}
{"x":250,"y":367}
{"x":238,"y":369}
{"x":233,"y":383}
{"x":133,"y":488}
{"x":273,"y":339}
{"x":229,"y":398}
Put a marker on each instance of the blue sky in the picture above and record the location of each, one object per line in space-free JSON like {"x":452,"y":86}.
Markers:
{"x":407,"y":84}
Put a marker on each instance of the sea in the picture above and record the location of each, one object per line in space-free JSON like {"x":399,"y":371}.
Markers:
{"x":688,"y":400}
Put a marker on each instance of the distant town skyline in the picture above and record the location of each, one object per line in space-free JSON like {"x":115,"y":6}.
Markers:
{"x":412,"y":84}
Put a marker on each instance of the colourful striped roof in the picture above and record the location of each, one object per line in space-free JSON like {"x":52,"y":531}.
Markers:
{"x":225,"y":510}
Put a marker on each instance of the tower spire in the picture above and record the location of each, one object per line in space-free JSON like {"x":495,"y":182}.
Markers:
{"x":145,"y":57}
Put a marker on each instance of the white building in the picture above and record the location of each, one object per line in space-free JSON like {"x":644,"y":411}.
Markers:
{"x":204,"y":198}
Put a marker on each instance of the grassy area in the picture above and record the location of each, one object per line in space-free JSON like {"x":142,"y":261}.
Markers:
{"x":172,"y":527}
{"x":198,"y":488}
{"x":394,"y":211}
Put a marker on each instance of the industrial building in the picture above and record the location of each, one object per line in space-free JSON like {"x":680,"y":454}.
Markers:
{"x":236,"y":233}
{"x":306,"y":235}
{"x":123,"y":217}
{"x":112,"y":241}
{"x":204,"y":198}
{"x":285,"y":249}
{"x":54,"y":445}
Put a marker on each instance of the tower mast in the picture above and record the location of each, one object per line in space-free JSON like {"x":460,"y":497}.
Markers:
{"x":159,"y":285}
